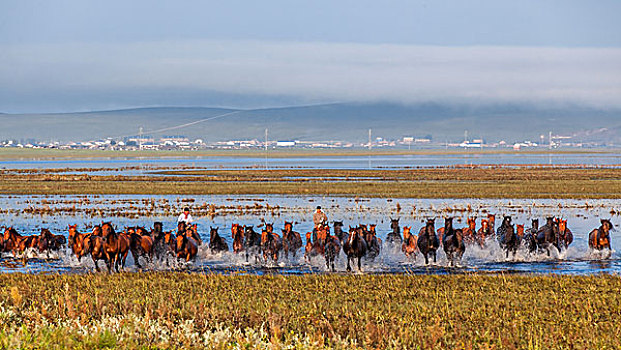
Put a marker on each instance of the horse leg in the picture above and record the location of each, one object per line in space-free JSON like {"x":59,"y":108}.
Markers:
{"x":348,"y":265}
{"x":359,"y":263}
{"x":434,"y":257}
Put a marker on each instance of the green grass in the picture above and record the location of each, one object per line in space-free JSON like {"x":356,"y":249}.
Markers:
{"x":478,"y":182}
{"x":179,"y":310}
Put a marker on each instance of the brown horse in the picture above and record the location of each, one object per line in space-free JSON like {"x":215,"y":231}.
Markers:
{"x":186,"y":247}
{"x":374,"y":244}
{"x":565,"y":236}
{"x":291,"y":240}
{"x":17,"y":244}
{"x":428,"y":243}
{"x":271,"y":243}
{"x":409,"y":242}
{"x":331,"y":250}
{"x":216,"y":242}
{"x":355,"y":247}
{"x":312,"y":249}
{"x":470,"y":231}
{"x":49,"y":242}
{"x":116,"y":246}
{"x":394,"y":237}
{"x":599,"y":238}
{"x":237,"y":233}
{"x":76,"y":242}
{"x":483,"y":233}
{"x":140,"y":244}
{"x":94,"y":245}
{"x":453,"y":242}
{"x":192,"y":231}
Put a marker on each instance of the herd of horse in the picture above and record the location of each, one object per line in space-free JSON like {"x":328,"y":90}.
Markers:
{"x":105,"y":243}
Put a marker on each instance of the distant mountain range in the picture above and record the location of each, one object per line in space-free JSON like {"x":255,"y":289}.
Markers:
{"x":345,"y":121}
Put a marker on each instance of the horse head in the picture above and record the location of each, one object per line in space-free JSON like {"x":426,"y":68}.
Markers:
{"x":520,"y":230}
{"x":288,"y":226}
{"x":535,"y":224}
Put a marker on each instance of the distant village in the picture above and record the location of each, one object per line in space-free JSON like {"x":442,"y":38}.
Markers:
{"x":181,"y":142}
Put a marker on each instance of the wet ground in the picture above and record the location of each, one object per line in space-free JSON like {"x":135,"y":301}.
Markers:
{"x":28,"y":214}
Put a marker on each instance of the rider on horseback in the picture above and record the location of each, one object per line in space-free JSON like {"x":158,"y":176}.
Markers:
{"x":185,"y":217}
{"x":319,"y":220}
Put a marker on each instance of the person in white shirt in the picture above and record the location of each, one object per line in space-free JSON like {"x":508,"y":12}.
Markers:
{"x":185,"y":217}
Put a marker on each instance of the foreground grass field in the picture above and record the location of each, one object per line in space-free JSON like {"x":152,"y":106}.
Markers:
{"x":477,"y":182}
{"x":178,"y":310}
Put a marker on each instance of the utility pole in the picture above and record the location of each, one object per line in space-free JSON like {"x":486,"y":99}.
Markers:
{"x":466,"y":136}
{"x":140,"y":138}
{"x":369,"y":139}
{"x":265,"y":148}
{"x":550,"y":140}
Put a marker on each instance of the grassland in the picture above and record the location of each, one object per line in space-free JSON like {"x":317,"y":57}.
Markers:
{"x":477,"y":182}
{"x":178,"y":310}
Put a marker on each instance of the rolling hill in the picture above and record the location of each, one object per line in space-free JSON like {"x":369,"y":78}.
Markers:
{"x":346,"y":121}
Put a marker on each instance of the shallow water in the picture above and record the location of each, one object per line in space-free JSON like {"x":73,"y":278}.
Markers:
{"x":340,"y":162}
{"x":133,"y":210}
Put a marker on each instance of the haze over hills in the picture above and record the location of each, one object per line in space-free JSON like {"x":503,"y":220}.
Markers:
{"x":344,"y":121}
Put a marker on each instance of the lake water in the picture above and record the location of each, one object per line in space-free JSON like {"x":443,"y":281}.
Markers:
{"x":339,"y":162}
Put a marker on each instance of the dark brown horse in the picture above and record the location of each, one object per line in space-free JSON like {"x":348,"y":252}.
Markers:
{"x":530,"y":236}
{"x":338,"y":230}
{"x":49,"y":242}
{"x":453,"y":242}
{"x":428,"y":243}
{"x":94,"y":245}
{"x":237,"y":233}
{"x":547,"y":236}
{"x":116,"y":246}
{"x":189,"y":231}
{"x":271,"y":244}
{"x":291,"y":240}
{"x":394,"y":237}
{"x":409,"y":242}
{"x":599,"y":238}
{"x":374,"y":244}
{"x":507,"y":237}
{"x":217,"y":243}
{"x":140,"y":244}
{"x":332,"y":250}
{"x":355,"y":247}
{"x":252,"y":243}
{"x":312,"y":249}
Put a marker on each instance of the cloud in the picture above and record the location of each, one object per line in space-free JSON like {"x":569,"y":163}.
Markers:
{"x":309,"y":71}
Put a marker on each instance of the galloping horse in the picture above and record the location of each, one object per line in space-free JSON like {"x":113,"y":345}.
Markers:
{"x":338,"y":231}
{"x":94,"y":245}
{"x":483,"y":233}
{"x":291,"y":240}
{"x":355,"y":247}
{"x":49,"y":242}
{"x":331,"y":250}
{"x":565,"y":236}
{"x":186,"y":247}
{"x":116,"y":246}
{"x":453,"y":242}
{"x":271,"y":243}
{"x":599,"y":238}
{"x":237,"y":233}
{"x":547,"y":236}
{"x":374,"y":244}
{"x":216,"y":242}
{"x":428,"y":242}
{"x":530,"y":236}
{"x":252,"y":243}
{"x":394,"y":237}
{"x":409,"y":242}
{"x":312,"y":249}
{"x":141,"y":245}
{"x":192,"y":231}
{"x":507,"y":237}
{"x":76,"y":242}
{"x":17,"y":244}
{"x":470,"y":231}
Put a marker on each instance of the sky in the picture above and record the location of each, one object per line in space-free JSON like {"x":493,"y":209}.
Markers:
{"x":80,"y":55}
